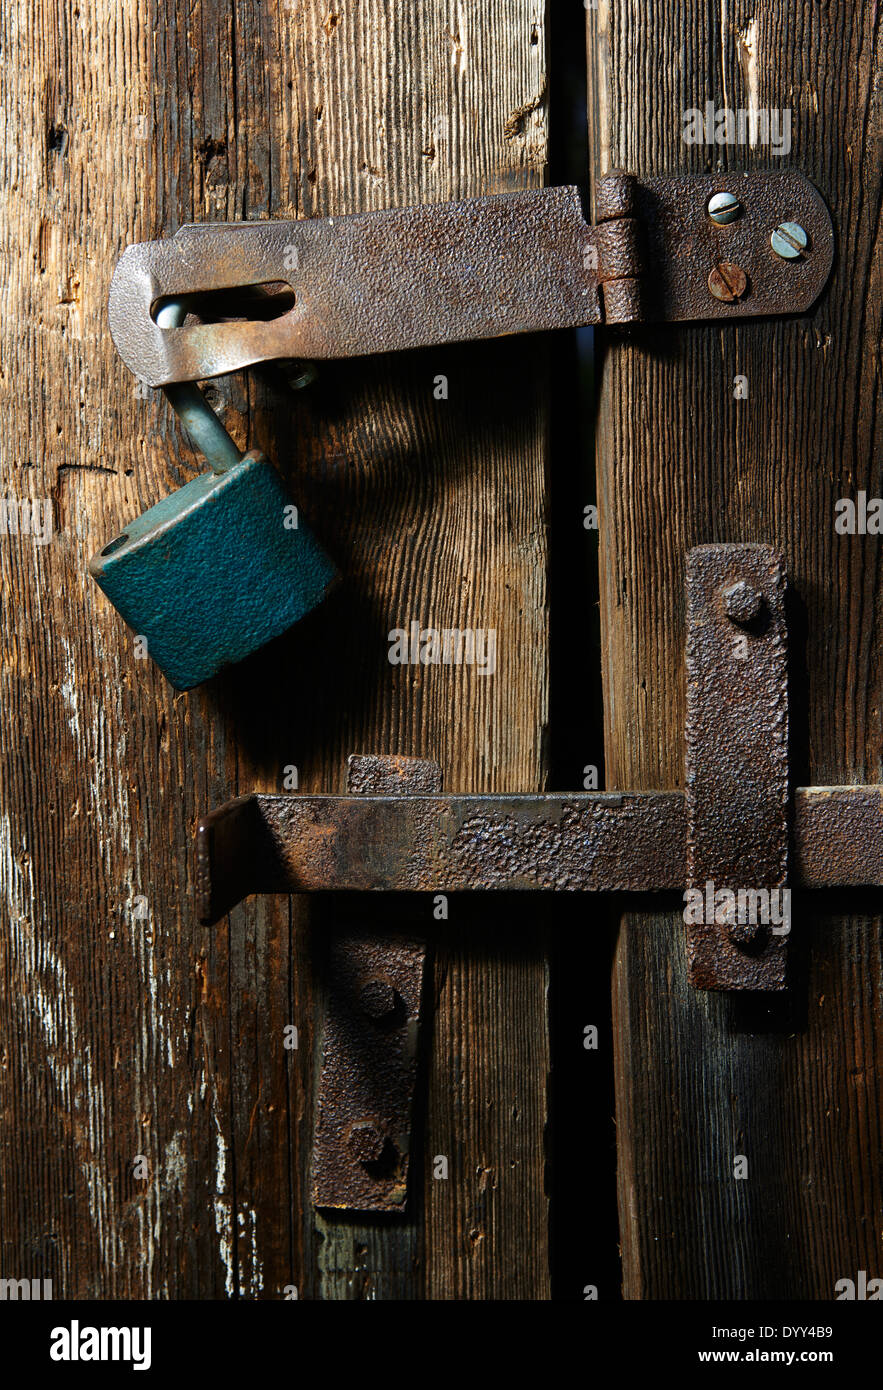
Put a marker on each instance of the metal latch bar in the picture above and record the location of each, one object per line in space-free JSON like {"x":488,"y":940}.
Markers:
{"x":580,"y":842}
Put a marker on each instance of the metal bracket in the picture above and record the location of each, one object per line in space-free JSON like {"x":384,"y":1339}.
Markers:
{"x":369,"y":1051}
{"x":479,"y":268}
{"x":737,"y":767}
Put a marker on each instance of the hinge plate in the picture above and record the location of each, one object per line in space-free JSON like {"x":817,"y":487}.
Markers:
{"x":479,"y":268}
{"x":682,"y":246}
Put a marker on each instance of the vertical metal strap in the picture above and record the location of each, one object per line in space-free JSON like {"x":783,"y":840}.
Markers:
{"x":372,"y":1016}
{"x":737,"y":908}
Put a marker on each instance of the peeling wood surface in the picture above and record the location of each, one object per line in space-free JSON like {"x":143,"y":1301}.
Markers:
{"x":128,"y":1035}
{"x":701,"y":1078}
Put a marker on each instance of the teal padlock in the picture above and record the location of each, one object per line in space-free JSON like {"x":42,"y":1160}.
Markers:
{"x":220,"y":567}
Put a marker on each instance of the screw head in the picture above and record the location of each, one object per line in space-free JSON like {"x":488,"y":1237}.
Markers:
{"x":365,"y":1142}
{"x":789,"y":241}
{"x":724,"y":208}
{"x":378,"y":999}
{"x":728,"y":282}
{"x":742,"y":602}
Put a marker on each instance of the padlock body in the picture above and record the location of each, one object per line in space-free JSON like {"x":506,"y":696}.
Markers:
{"x":215,"y":570}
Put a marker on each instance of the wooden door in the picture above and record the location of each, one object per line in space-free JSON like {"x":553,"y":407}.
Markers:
{"x":155,"y":1129}
{"x":683,"y":459}
{"x":144,"y":1044}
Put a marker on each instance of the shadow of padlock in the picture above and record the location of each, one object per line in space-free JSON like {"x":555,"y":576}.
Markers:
{"x":220,"y":567}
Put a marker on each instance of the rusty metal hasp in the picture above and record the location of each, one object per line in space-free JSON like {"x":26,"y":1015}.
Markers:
{"x":726,"y":844}
{"x":675,"y":248}
{"x":218,"y":297}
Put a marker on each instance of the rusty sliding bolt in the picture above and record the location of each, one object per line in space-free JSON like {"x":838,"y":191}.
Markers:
{"x":732,"y":828}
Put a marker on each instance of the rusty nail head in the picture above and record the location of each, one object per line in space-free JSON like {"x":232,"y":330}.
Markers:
{"x":728,"y":282}
{"x":378,"y":999}
{"x":365,"y":1141}
{"x":742,"y":602}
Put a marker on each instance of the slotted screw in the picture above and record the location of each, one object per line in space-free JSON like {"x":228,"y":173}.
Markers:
{"x":727,"y":282}
{"x":724,"y":208}
{"x":789,"y":241}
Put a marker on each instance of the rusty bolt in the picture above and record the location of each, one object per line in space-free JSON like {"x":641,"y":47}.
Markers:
{"x":742,"y":602}
{"x":378,"y":999}
{"x":745,"y":934}
{"x":299,"y":374}
{"x":728,"y":282}
{"x":365,"y":1141}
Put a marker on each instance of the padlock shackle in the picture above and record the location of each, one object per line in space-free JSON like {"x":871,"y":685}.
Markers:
{"x":191,"y":406}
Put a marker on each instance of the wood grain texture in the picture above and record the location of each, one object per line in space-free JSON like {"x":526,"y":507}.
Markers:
{"x":797,"y":1088}
{"x":126,"y":1036}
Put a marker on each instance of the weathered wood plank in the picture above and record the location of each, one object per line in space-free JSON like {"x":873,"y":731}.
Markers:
{"x":130,"y":1036}
{"x":444,"y":525}
{"x":680,"y":462}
